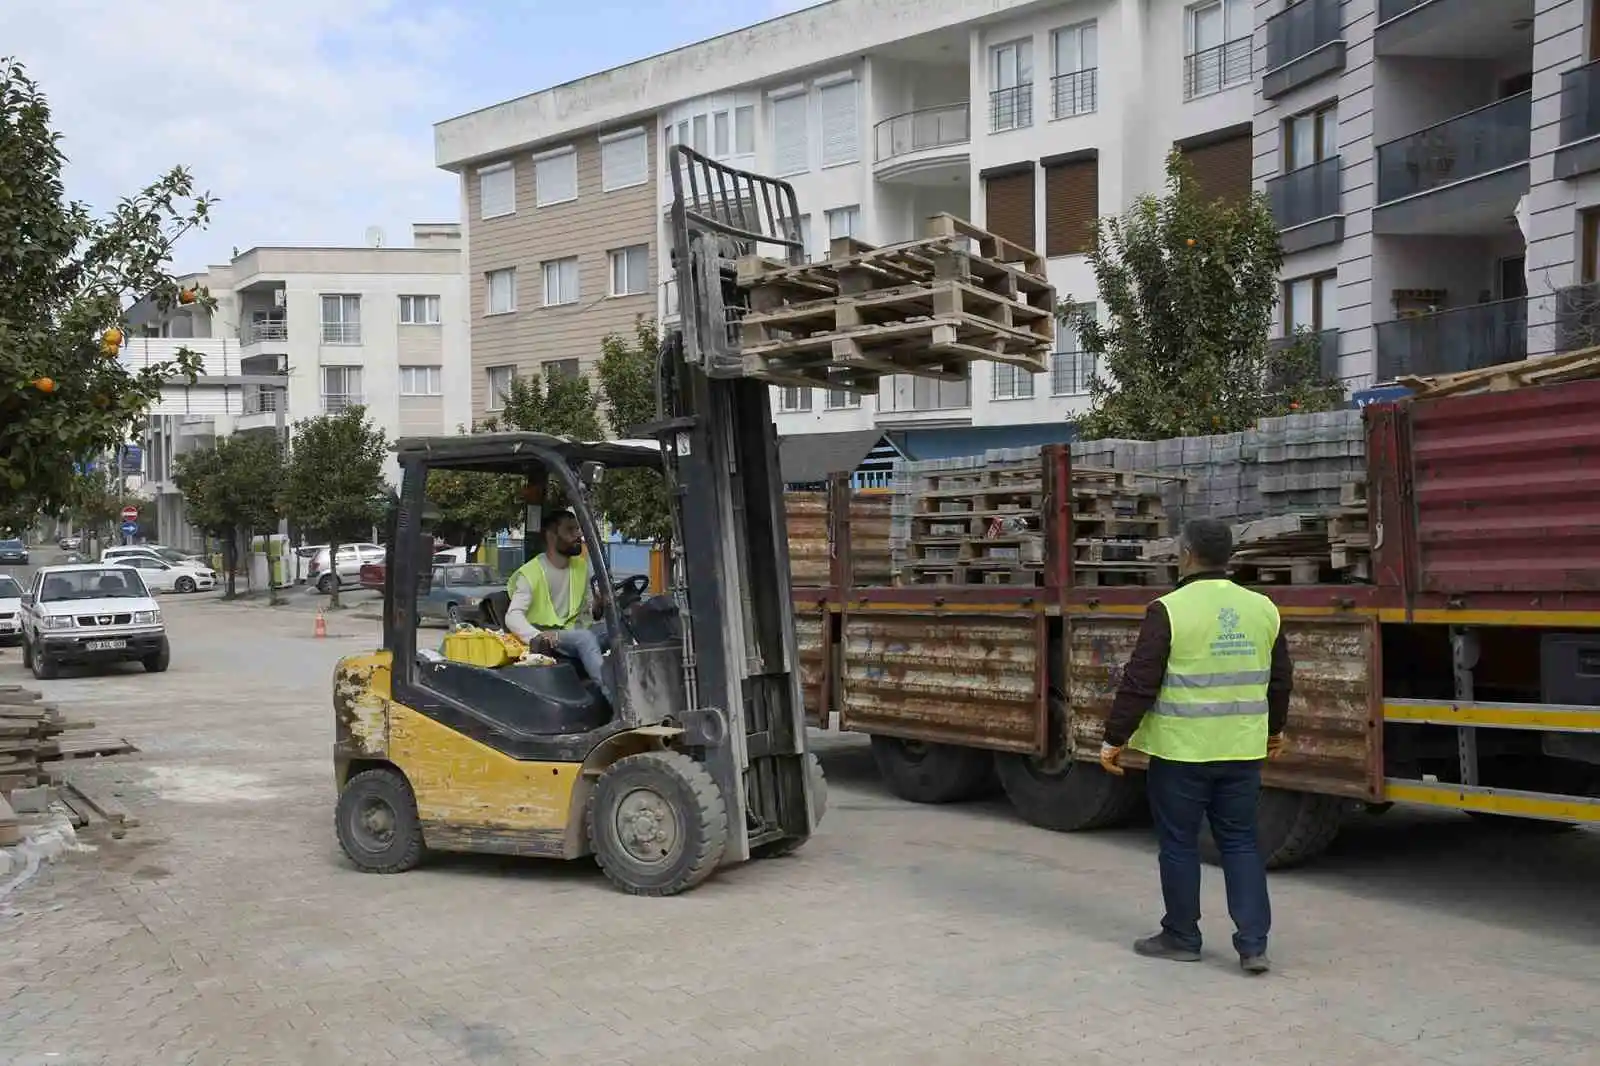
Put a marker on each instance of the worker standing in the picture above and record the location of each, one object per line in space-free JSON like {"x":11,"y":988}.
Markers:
{"x":1206,"y":696}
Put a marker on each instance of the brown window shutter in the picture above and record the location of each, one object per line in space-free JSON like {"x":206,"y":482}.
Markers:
{"x":1008,"y":208}
{"x":1071,"y":207}
{"x":1222,"y":169}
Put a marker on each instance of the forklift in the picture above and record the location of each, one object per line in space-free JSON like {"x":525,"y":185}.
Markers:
{"x":700,"y":758}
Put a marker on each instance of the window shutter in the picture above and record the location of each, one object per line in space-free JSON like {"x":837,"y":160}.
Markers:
{"x":1222,"y":169}
{"x":789,"y":134}
{"x":556,"y":179}
{"x":840,"y":134}
{"x":1008,"y":207}
{"x":624,"y":162}
{"x":496,"y":192}
{"x":1071,"y":207}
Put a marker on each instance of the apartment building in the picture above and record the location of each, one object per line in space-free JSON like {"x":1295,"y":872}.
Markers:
{"x":299,"y":332}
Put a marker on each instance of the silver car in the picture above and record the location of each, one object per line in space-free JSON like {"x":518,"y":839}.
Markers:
{"x":352,"y":557}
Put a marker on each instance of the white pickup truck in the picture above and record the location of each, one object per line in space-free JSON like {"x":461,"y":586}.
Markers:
{"x":10,"y":611}
{"x":91,"y":613}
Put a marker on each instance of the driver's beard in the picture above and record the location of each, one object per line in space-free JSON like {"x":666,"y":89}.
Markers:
{"x":572,"y":551}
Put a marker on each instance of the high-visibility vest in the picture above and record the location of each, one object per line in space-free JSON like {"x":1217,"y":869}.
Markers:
{"x":542,"y":614}
{"x":1212,"y":706}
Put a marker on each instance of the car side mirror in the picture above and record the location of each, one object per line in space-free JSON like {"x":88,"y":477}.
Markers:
{"x":27,"y":599}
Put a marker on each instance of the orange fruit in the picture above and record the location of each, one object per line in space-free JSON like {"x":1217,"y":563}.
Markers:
{"x":45,"y":385}
{"x":1190,"y":242}
{"x":111,"y":338}
{"x":187,"y":296}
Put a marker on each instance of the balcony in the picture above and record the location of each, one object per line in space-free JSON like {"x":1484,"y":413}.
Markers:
{"x":1447,"y":342}
{"x":1011,"y":109}
{"x":341,"y":333}
{"x":1462,"y":176}
{"x":1305,"y":203}
{"x":335,"y":403}
{"x":261,"y":405}
{"x":1454,"y":29}
{"x":926,"y":145}
{"x":273,"y":331}
{"x":1074,"y":94}
{"x":1305,"y":41}
{"x":1215,"y":69}
{"x":1580,"y":122}
{"x":1327,"y":351}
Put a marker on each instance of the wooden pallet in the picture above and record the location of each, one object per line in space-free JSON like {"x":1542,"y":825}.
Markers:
{"x":990,"y":246}
{"x":1112,"y":574}
{"x":941,"y":348}
{"x":941,"y":300}
{"x":1504,"y":377}
{"x":998,"y":572}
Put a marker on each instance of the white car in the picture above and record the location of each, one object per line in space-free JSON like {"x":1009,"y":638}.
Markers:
{"x":10,"y":610}
{"x":161,"y":576}
{"x":157,"y":551}
{"x":91,"y":613}
{"x":352,"y":557}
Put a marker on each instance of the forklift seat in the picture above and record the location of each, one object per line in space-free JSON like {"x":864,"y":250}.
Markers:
{"x":543,"y":700}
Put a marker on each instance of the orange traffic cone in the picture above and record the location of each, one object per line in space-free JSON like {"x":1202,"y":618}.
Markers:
{"x":321,"y":628}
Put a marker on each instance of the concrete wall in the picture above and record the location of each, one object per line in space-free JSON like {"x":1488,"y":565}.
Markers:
{"x":1553,"y":205}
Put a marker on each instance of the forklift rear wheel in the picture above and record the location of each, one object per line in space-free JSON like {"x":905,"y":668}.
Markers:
{"x":931,"y":773}
{"x":377,"y":822}
{"x":819,"y":804}
{"x":657,"y":823}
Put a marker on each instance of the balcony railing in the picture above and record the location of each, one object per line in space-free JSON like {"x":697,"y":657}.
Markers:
{"x":1577,"y":317}
{"x":341,"y":333}
{"x":1326,"y":346}
{"x":1447,"y":342}
{"x":1580,"y":103}
{"x":1073,"y":94}
{"x":1219,"y":68}
{"x":273,"y":329}
{"x":1393,"y":9}
{"x":1301,"y":29}
{"x":1305,"y":195}
{"x":1011,"y":109}
{"x":1070,"y":373}
{"x":917,"y":131}
{"x":1463,"y":147}
{"x":333,"y":403}
{"x":263,"y":400}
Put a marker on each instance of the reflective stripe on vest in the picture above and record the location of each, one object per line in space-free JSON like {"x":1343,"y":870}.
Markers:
{"x":542,"y":613}
{"x":1212,"y":706}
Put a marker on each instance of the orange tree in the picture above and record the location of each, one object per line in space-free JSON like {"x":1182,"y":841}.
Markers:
{"x":66,"y":277}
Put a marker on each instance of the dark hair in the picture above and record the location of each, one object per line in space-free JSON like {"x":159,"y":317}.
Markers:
{"x":553,"y":519}
{"x":1210,"y":541}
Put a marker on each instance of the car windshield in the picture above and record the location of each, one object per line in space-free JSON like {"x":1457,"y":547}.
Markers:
{"x":112,"y":583}
{"x":9,"y":589}
{"x":467,"y":575}
{"x":10,"y":545}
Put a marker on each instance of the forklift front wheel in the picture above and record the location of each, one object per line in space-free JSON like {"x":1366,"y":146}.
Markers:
{"x":657,"y":823}
{"x":377,"y":823}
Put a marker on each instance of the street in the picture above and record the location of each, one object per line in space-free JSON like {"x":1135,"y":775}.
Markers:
{"x":228,"y":928}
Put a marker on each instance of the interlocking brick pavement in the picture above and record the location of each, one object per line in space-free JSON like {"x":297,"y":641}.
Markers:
{"x":228,"y":929}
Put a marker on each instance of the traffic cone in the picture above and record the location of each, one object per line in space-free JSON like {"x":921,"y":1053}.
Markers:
{"x":321,"y":628}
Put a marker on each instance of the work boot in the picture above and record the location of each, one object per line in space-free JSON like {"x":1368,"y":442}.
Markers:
{"x":1254,"y":964}
{"x":1162,"y":946}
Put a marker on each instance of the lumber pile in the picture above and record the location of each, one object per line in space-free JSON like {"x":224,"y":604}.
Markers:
{"x":34,"y":747}
{"x":928,"y":307}
{"x":1504,"y":377}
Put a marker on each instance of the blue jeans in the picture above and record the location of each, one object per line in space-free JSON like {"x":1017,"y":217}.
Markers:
{"x":588,"y":646}
{"x":1181,"y":795}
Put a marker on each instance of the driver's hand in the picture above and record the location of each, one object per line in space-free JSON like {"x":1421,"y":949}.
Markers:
{"x":544,"y":642}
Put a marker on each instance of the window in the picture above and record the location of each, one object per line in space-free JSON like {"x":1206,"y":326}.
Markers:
{"x":561,"y":281}
{"x":1310,"y":303}
{"x":744,"y":130}
{"x":843,"y":399}
{"x":501,"y":291}
{"x":560,"y":368}
{"x":500,"y":379}
{"x":1589,"y":246}
{"x":555,"y":178}
{"x":630,"y":270}
{"x":497,"y":191}
{"x":341,"y":320}
{"x":1011,"y":86}
{"x":683,"y":132}
{"x":1012,"y":383}
{"x":1219,"y":42}
{"x":1070,"y":366}
{"x":421,"y":381}
{"x":792,"y":399}
{"x":790,"y":153}
{"x":1076,"y":57}
{"x":341,"y":388}
{"x":419,"y":310}
{"x":624,"y":161}
{"x":844,"y":222}
{"x":702,"y":143}
{"x":841,"y":127}
{"x":1311,"y":137}
{"x":721,"y":135}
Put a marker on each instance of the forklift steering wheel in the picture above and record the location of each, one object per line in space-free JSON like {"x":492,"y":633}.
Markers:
{"x":630,"y":590}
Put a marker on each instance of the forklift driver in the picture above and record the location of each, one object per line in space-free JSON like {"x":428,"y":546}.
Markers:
{"x":559,"y":575}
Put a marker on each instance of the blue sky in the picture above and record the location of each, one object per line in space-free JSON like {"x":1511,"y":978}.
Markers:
{"x":312,"y":119}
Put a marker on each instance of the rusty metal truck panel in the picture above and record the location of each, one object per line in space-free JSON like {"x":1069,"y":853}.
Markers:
{"x":976,"y":680}
{"x":811,"y":640}
{"x":1333,"y":718}
{"x":870,"y":559}
{"x":807,"y":516}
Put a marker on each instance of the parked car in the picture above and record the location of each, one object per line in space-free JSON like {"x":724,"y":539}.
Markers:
{"x":91,"y":613}
{"x":372,"y":576}
{"x":10,"y":610}
{"x":157,"y":551}
{"x":13,"y":553}
{"x":162,"y":576}
{"x":70,"y":544}
{"x":351,"y":558}
{"x":457,"y":592}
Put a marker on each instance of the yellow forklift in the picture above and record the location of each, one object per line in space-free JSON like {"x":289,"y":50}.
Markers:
{"x":700,"y":759}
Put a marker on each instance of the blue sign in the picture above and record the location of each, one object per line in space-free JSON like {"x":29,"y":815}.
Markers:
{"x":1381,"y":394}
{"x":132,"y":459}
{"x":129,"y":528}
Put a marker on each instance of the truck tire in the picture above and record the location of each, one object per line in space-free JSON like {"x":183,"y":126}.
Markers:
{"x":931,"y":773}
{"x":1070,"y":796}
{"x":819,"y":801}
{"x":657,"y":823}
{"x":1291,"y":827}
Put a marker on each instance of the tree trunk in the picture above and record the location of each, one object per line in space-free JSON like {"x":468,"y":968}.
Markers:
{"x":230,"y":562}
{"x":333,"y":568}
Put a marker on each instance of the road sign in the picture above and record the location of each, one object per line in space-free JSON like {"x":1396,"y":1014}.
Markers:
{"x":129,"y":528}
{"x":130,"y":515}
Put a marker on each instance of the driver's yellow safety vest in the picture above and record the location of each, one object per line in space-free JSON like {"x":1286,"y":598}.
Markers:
{"x":542,"y":614}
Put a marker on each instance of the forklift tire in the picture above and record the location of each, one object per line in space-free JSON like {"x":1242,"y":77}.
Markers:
{"x":1291,"y":827}
{"x":657,"y":823}
{"x":1068,"y":798}
{"x":376,"y":820}
{"x":931,"y":773}
{"x":819,"y":802}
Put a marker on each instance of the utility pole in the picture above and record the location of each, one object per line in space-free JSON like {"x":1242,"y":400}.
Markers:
{"x":281,"y":428}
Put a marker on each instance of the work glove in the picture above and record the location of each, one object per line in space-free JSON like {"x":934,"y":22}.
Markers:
{"x":1111,"y":759}
{"x":1275,"y":745}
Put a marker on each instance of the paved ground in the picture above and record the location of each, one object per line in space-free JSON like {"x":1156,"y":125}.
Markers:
{"x":227,"y":929}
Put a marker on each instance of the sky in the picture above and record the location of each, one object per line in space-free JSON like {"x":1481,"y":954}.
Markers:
{"x":311,"y":120}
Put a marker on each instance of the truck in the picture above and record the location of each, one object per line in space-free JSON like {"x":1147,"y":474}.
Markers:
{"x":1450,"y":659}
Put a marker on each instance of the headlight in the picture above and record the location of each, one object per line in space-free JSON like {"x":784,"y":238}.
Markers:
{"x":146,"y":618}
{"x":59,"y":621}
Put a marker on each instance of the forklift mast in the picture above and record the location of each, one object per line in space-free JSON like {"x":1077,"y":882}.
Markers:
{"x":730,"y":564}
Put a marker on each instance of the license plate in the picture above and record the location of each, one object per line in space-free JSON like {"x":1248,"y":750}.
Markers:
{"x":105,"y":645}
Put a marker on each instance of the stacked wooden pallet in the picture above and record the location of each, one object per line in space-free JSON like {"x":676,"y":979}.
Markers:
{"x":928,"y":307}
{"x":1504,"y":377}
{"x":1116,"y":515}
{"x":977,"y":525}
{"x":33,"y":748}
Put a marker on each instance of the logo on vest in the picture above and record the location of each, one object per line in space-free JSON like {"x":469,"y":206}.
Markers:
{"x":1230,"y":640}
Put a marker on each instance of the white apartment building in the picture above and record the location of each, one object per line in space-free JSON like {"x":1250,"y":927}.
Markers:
{"x":1035,"y":118}
{"x":299,"y":332}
